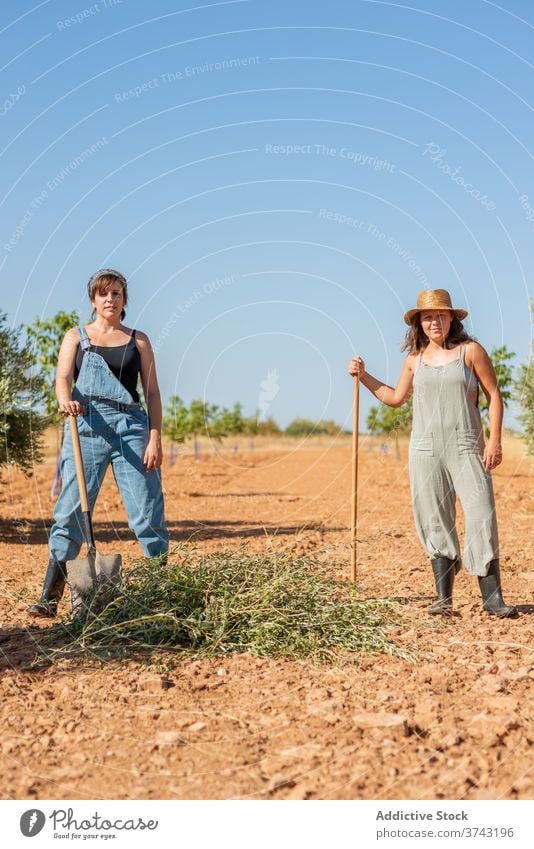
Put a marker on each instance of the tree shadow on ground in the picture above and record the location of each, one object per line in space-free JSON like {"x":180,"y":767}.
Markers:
{"x":24,"y":531}
{"x":527,"y":609}
{"x":37,"y":533}
{"x":402,"y":599}
{"x":283,"y":496}
{"x":21,"y":649}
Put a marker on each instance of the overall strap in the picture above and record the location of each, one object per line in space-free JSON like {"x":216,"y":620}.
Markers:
{"x":84,"y":339}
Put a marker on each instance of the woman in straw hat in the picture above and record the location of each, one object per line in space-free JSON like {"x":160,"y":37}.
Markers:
{"x":105,"y":360}
{"x":447,"y":456}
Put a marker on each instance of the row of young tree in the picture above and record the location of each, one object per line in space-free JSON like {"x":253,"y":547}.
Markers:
{"x":203,"y":419}
{"x":28,"y":405}
{"x":28,"y":358}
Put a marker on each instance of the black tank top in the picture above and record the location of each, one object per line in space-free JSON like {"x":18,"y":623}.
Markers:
{"x":123,"y":360}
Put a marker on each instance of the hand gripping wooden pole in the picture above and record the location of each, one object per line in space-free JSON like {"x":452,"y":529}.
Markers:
{"x":354,"y":516}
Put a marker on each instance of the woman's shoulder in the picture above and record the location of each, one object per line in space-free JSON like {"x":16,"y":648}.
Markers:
{"x":72,"y":336}
{"x":473,"y":351}
{"x":143,"y":344}
{"x":412,"y":360}
{"x":141,"y":337}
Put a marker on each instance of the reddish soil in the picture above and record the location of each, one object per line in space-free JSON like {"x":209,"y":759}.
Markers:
{"x":455,"y":724}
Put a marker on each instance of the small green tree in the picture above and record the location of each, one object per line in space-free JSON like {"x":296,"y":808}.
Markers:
{"x":199,"y":419}
{"x":44,"y":338}
{"x":391,"y":421}
{"x":203,"y":422}
{"x":227,"y":422}
{"x":176,"y":420}
{"x":523,"y":392}
{"x":499,"y":357}
{"x":386,"y":420}
{"x":21,"y":426}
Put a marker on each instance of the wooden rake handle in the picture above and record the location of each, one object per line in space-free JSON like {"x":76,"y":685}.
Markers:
{"x":354,"y":512}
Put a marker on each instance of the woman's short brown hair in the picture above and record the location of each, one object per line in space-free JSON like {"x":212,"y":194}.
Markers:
{"x":100,"y":281}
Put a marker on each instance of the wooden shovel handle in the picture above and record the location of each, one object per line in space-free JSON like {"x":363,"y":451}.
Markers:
{"x":80,"y":472}
{"x":354,"y":515}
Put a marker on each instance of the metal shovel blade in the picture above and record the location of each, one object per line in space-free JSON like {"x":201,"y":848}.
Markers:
{"x":92,"y":580}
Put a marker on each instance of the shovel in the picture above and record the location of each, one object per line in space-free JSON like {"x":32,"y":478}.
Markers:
{"x":96,"y":572}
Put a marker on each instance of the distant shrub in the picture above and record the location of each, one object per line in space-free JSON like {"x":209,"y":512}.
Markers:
{"x":307,"y":427}
{"x":268,"y":427}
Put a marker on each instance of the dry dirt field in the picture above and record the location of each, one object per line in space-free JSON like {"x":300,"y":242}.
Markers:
{"x":457,"y":724}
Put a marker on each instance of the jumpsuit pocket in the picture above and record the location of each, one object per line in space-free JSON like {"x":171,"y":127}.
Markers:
{"x":93,"y":424}
{"x":422,"y":443}
{"x":137,"y":417}
{"x":135,"y":424}
{"x":469,"y":442}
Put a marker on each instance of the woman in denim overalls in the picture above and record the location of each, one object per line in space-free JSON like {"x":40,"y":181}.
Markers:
{"x":447,"y":452}
{"x":113,"y":427}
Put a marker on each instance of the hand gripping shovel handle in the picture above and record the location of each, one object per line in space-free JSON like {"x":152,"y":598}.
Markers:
{"x":87,"y":525}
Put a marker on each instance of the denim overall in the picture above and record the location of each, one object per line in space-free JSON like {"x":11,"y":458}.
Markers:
{"x":113,"y":430}
{"x":445,"y":459}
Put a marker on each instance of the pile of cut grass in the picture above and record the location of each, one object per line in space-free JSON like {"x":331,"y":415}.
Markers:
{"x":268,"y":604}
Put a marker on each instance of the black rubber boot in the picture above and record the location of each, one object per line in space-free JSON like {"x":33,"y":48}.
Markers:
{"x":490,"y":588}
{"x":444,"y":572}
{"x":53,"y":586}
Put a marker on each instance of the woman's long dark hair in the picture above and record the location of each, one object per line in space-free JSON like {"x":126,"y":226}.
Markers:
{"x":416,"y":341}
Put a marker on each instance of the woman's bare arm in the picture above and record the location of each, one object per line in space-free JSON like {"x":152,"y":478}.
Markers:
{"x":477,"y":360}
{"x":153,"y":455}
{"x":392,"y":396}
{"x":65,"y":373}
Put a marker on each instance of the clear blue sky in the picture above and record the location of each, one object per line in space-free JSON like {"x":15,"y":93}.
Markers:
{"x":277,"y":180}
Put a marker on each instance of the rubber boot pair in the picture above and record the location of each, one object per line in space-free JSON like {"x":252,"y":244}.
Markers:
{"x":444,"y":572}
{"x":490,"y":589}
{"x":53,"y":587}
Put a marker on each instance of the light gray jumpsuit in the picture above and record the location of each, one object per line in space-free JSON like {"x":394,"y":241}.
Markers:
{"x":445,"y":459}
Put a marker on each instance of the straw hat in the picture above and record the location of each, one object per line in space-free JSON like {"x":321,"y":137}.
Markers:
{"x":434,"y":299}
